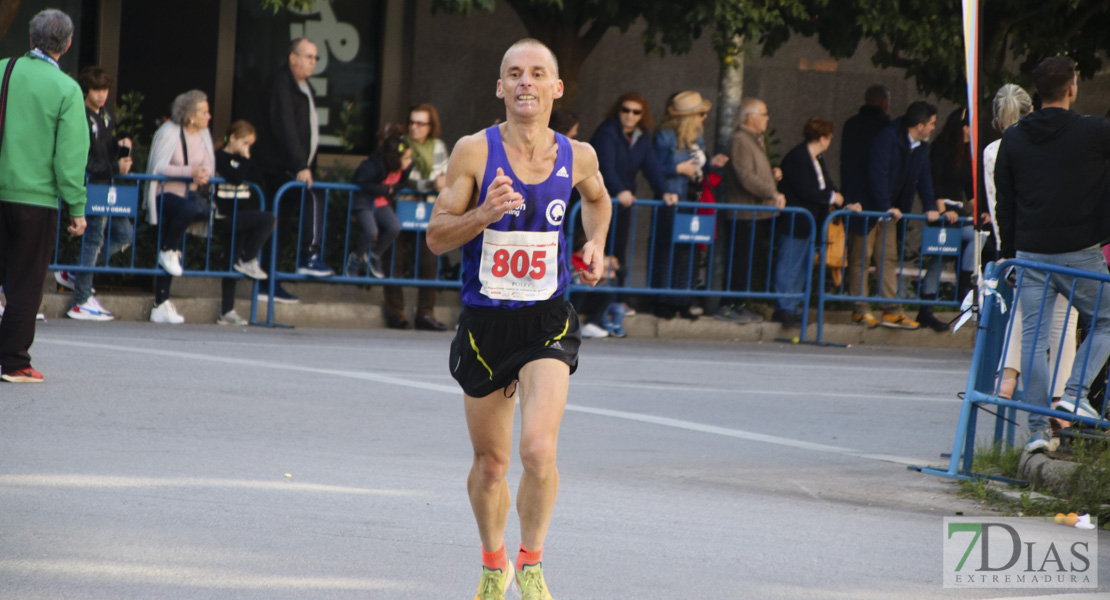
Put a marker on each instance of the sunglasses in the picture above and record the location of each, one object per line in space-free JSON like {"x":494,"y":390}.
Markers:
{"x":631,"y":111}
{"x":420,"y":123}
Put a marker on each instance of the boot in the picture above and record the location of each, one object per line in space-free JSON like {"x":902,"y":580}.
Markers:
{"x":926,"y":317}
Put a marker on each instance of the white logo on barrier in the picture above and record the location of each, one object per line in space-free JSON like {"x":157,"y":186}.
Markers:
{"x":562,"y":172}
{"x":555,"y":211}
{"x":112,"y":196}
{"x":420,"y":211}
{"x":695,"y":225}
{"x":942,"y":237}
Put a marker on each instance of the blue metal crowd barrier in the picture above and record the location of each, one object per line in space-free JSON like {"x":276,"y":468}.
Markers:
{"x":695,"y":223}
{"x":996,"y":327}
{"x":413,"y":215}
{"x":131,"y":187}
{"x":941,"y":241}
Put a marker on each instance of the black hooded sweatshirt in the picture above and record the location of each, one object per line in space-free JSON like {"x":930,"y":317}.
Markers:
{"x":1052,"y":175}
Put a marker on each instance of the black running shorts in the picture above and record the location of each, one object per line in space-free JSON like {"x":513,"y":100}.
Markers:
{"x":491,"y":344}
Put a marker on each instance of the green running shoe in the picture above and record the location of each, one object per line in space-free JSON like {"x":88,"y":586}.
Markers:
{"x":530,"y":583}
{"x":495,"y":582}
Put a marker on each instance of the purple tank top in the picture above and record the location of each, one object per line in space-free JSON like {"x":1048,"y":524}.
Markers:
{"x":521,"y":259}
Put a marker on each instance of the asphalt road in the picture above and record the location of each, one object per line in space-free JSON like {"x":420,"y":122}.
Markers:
{"x":204,"y":462}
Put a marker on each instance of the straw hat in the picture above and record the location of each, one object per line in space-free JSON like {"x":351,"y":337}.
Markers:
{"x":688,"y":103}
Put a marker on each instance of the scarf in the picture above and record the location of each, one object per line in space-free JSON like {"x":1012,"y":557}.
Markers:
{"x":423,"y":155}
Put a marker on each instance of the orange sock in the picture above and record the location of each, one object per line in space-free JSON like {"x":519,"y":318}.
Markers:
{"x":528,"y":557}
{"x":495,"y":560}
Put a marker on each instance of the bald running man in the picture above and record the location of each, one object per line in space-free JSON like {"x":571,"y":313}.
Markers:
{"x":504,"y":202}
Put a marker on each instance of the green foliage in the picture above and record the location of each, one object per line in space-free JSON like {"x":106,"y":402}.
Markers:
{"x":349,"y":129}
{"x":277,"y":5}
{"x":676,"y":25}
{"x":771,"y":146}
{"x":129,"y":124}
{"x":997,"y":459}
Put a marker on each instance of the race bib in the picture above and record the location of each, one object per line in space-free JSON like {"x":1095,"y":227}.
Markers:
{"x":519,"y":265}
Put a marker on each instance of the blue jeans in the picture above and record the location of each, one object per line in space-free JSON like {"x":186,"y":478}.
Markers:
{"x":790,"y":270}
{"x":92,"y":244}
{"x":1091,"y":355}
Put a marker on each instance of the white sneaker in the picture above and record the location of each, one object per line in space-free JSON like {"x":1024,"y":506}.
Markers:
{"x":170,"y":260}
{"x":166,"y":312}
{"x":589,"y":330}
{"x":1085,"y":408}
{"x":1041,"y":441}
{"x":232,"y":318}
{"x":91,"y":310}
{"x":251,"y":269}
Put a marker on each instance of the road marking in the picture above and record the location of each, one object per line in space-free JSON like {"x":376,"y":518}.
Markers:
{"x":116,"y":482}
{"x":746,"y":392}
{"x":188,"y":576}
{"x":454,"y":390}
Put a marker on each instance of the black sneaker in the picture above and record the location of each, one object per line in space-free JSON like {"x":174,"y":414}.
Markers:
{"x":927,"y":319}
{"x":280,"y":296}
{"x":665,"y":311}
{"x":788,"y":320}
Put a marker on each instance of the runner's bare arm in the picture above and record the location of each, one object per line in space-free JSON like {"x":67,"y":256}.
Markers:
{"x":597,"y":209}
{"x":456,"y":219}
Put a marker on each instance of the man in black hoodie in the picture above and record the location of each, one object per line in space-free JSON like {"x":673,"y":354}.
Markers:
{"x":1052,"y":175}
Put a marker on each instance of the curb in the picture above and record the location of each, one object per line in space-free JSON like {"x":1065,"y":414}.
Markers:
{"x":356,"y":307}
{"x":1045,"y":473}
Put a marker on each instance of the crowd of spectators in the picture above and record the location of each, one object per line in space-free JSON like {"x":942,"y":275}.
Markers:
{"x":885,"y":165}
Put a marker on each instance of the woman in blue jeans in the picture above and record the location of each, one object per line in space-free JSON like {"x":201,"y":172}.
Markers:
{"x":806,"y":184}
{"x":680,"y":150}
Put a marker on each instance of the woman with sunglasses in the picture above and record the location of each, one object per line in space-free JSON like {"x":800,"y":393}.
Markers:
{"x":429,"y":170}
{"x":624,"y":148}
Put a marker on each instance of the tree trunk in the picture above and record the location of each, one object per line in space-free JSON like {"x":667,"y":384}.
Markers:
{"x":567,"y":50}
{"x":730,"y":92}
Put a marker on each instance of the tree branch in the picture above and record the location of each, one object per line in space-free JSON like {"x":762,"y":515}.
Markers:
{"x":592,"y":37}
{"x":1006,"y":24}
{"x":1078,"y":23}
{"x":537,"y":27}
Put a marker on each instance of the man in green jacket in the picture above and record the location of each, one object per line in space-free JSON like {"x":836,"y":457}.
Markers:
{"x":42,"y":158}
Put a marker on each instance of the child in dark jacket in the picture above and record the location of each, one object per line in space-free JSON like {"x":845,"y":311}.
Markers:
{"x":380,"y":176}
{"x":250,"y":228}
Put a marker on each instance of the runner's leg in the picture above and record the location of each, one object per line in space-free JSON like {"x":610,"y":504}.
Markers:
{"x":543,"y":398}
{"x":490,"y":422}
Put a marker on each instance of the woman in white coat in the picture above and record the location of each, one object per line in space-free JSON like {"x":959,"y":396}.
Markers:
{"x":182,"y":148}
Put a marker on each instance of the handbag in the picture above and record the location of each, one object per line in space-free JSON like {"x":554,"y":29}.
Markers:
{"x":836,"y":255}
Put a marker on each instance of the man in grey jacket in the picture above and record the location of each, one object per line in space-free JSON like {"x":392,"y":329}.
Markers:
{"x":749,"y":179}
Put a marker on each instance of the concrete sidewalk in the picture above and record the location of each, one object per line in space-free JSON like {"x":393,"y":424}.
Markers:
{"x":359,"y":307}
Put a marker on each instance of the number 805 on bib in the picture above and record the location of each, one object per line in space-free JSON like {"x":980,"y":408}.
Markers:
{"x":519,"y":265}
